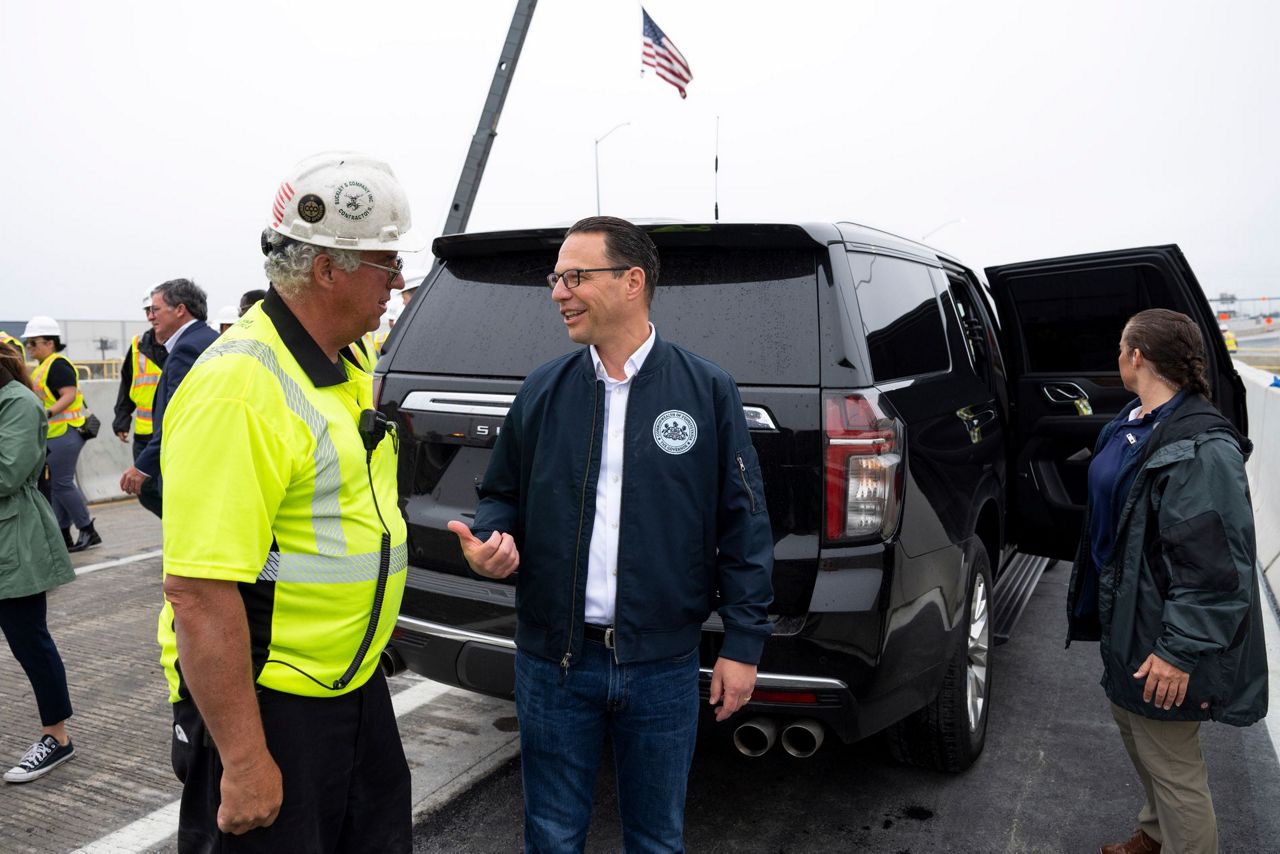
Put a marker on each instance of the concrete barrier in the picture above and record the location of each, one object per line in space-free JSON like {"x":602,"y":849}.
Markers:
{"x":1264,"y":466}
{"x":105,"y":458}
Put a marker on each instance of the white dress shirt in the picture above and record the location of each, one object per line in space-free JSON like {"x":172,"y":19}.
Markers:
{"x":602,"y":560}
{"x":173,"y":339}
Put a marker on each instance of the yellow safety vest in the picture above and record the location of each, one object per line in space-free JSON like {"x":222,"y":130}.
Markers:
{"x":265,"y":484}
{"x":14,"y":342}
{"x":366,"y":357}
{"x":73,"y":415}
{"x":378,"y":340}
{"x":142,"y":391}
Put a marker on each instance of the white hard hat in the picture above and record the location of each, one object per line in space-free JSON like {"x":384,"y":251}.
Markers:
{"x":345,"y":200}
{"x":228,"y":314}
{"x":413,"y":280}
{"x":42,"y":326}
{"x":146,"y":300}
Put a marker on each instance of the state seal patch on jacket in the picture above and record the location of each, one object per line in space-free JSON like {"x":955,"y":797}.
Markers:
{"x":675,"y":431}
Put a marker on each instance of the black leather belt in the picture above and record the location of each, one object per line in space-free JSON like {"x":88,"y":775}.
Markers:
{"x":599,"y":634}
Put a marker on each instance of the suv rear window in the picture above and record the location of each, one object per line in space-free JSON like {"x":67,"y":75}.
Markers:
{"x":900,"y":316}
{"x":754,"y":312}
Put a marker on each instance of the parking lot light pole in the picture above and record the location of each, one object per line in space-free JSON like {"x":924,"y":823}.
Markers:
{"x":600,"y":139}
{"x":932,"y":231}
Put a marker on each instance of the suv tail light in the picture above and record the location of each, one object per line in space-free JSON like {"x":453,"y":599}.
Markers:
{"x":863,"y":454}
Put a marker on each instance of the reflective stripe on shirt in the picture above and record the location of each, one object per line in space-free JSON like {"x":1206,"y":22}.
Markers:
{"x":326,"y":513}
{"x":330,"y":569}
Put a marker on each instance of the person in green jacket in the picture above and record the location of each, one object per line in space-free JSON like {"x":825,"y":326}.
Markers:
{"x":1166,"y":578}
{"x":33,"y":560}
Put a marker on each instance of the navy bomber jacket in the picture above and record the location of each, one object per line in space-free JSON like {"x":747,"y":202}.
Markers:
{"x":694,"y":533}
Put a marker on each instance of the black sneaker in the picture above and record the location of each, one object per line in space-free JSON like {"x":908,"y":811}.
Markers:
{"x":45,"y":755}
{"x":85,"y":538}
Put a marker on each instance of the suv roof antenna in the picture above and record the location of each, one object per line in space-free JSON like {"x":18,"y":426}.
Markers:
{"x":482,"y":141}
{"x":717,"y":179}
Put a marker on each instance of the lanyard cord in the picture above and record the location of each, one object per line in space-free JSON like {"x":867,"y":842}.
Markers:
{"x":379,"y":593}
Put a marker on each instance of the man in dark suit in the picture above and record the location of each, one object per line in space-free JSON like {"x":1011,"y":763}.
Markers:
{"x":179,"y":311}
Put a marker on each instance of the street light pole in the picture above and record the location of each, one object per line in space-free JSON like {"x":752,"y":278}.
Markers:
{"x":600,"y":139}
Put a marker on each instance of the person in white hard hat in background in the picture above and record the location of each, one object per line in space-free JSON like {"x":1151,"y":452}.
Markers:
{"x":56,"y":383}
{"x":392,"y":315}
{"x":227,"y":317}
{"x":284,"y":553}
{"x":135,"y":401}
{"x":412,"y":281}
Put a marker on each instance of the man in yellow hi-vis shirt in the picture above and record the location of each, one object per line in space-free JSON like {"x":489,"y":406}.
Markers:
{"x":284,"y":551}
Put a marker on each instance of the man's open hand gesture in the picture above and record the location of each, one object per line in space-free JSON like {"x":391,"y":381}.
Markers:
{"x":496,"y":557}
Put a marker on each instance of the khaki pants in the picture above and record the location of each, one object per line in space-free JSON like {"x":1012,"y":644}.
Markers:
{"x":1178,"y":811}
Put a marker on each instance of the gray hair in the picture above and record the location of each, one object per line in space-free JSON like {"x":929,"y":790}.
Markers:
{"x":289,"y":262}
{"x":176,"y":292}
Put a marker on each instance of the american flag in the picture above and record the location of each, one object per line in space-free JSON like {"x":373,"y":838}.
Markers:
{"x":661,"y":54}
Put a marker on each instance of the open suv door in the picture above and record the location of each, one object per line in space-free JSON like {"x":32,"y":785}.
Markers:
{"x":1061,"y":321}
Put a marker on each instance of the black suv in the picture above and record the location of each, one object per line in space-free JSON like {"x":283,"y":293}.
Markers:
{"x":914,"y":427}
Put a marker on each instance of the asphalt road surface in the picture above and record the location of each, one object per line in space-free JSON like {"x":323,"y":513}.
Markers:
{"x":1054,"y":778}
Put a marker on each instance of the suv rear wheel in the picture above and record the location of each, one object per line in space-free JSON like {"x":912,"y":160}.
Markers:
{"x":949,"y":733}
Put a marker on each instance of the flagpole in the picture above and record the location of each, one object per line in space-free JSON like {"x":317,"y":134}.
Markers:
{"x":717,"y":179}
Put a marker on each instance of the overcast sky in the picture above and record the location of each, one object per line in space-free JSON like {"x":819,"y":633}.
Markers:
{"x":145,"y":140}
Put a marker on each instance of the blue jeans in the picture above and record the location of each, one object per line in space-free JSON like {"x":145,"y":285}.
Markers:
{"x":650,"y":713}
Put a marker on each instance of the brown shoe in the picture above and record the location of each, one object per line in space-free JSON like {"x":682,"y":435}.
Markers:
{"x":1139,"y":844}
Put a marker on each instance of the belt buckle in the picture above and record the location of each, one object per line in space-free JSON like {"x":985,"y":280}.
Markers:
{"x":608,"y":638}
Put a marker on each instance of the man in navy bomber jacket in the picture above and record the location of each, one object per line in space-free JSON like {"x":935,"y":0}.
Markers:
{"x":625,"y":487}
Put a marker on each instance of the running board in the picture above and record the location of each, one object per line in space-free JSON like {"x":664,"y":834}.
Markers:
{"x":1013,"y":591}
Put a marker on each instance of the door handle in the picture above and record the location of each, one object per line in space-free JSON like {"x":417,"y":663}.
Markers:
{"x":1067,"y":392}
{"x":975,"y":419}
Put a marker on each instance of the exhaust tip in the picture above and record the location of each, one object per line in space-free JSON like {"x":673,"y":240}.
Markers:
{"x":391,"y":663}
{"x":802,"y":738}
{"x":755,"y":737}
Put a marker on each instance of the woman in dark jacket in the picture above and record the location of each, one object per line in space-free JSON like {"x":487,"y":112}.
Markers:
{"x":1166,"y":579}
{"x":33,"y":560}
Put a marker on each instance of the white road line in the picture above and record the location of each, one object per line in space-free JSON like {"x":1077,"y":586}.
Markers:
{"x":121,"y":561}
{"x":1272,"y":630}
{"x":146,"y":832}
{"x":152,"y":829}
{"x":420,"y":694}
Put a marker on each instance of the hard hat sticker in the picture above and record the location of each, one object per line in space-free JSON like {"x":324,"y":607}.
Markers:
{"x":311,"y":208}
{"x":283,"y":195}
{"x":353,"y":200}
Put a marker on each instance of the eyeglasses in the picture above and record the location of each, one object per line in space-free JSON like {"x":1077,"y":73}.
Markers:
{"x":392,"y":272}
{"x":148,"y":309}
{"x":573,"y":278}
